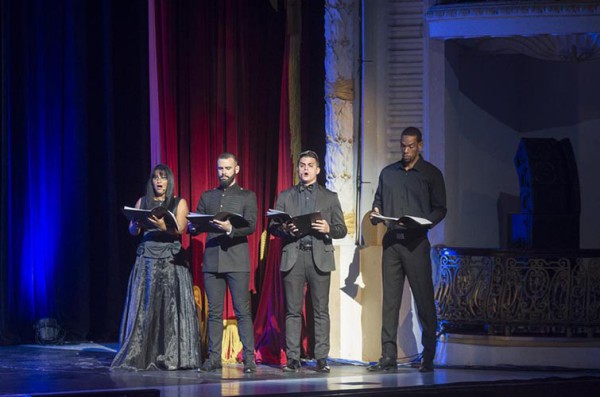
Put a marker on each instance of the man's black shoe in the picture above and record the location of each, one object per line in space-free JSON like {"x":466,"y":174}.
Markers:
{"x":426,"y":366}
{"x":384,"y":364}
{"x":249,"y":367}
{"x":322,"y":366}
{"x":210,"y":366}
{"x":292,"y":366}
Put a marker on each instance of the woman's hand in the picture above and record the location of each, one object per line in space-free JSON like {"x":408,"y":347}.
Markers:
{"x":158,"y":222}
{"x":134,"y":228}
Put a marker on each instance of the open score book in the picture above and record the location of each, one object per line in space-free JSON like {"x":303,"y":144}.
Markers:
{"x":407,"y":221}
{"x":142,"y":216}
{"x":202,"y":222}
{"x":302,"y":222}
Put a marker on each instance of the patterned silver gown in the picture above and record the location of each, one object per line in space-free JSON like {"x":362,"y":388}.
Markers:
{"x":159,"y":329}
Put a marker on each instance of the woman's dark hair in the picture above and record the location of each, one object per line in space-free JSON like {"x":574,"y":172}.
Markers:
{"x":165,"y":172}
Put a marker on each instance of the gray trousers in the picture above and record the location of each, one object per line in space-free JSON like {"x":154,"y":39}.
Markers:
{"x":305,"y":272}
{"x":216,"y":287}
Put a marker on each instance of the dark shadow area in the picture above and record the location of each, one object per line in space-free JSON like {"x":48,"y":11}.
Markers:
{"x":508,"y":204}
{"x":525,"y":93}
{"x":350,"y":287}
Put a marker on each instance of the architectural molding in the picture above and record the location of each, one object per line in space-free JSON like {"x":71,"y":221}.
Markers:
{"x":497,"y":9}
{"x":405,"y":72}
{"x":571,"y":47}
{"x":512,"y":18}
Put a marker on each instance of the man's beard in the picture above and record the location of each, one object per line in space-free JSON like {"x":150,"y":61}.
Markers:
{"x":225,"y":183}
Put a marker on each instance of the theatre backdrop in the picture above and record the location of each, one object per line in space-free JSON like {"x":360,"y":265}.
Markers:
{"x":94,"y":94}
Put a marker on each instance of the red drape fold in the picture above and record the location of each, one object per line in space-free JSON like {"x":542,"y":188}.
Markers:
{"x":270,"y":316}
{"x":219,"y":67}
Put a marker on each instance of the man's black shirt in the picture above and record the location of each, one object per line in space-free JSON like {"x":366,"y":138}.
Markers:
{"x":420,"y":191}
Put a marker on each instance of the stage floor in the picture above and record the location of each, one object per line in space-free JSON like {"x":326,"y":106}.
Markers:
{"x":84,"y":368}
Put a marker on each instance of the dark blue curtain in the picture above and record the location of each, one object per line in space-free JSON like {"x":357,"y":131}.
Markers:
{"x":75,"y":149}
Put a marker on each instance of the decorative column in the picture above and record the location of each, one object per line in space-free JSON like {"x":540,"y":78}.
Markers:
{"x":340,"y":67}
{"x":341,"y":54}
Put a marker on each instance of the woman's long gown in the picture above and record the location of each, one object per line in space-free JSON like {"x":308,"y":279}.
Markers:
{"x":159,"y":329}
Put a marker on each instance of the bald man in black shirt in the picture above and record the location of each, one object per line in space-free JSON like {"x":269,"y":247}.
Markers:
{"x":413,"y":187}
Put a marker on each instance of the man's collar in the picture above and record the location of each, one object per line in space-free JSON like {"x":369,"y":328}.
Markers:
{"x":235,"y":186}
{"x":310,"y":187}
{"x":417,"y":166}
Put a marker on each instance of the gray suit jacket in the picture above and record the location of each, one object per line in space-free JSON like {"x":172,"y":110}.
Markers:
{"x":228,"y":253}
{"x":328,"y":204}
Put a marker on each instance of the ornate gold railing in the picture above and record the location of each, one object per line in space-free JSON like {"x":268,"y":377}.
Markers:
{"x":518,"y":292}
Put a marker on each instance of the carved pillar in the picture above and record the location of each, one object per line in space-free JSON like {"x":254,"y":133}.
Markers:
{"x":340,"y":69}
{"x":341,"y":49}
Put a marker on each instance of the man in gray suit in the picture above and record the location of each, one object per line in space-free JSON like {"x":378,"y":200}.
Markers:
{"x":308,"y":259}
{"x":227,"y":261}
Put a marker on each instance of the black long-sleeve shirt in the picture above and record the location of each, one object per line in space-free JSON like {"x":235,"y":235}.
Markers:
{"x":420,"y":191}
{"x":228,"y":252}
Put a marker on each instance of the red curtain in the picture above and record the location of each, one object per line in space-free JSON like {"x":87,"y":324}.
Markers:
{"x":270,"y":318}
{"x":222,"y":86}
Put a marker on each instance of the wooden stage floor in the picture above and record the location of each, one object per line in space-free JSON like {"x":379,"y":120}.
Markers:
{"x":74,"y":370}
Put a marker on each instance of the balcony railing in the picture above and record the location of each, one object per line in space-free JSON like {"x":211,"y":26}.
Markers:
{"x":519,"y":292}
